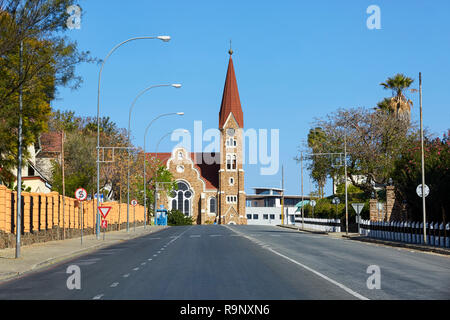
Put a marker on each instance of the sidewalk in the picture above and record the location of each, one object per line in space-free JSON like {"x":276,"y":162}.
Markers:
{"x":301,"y":230}
{"x":39,"y":255}
{"x":358,"y":237}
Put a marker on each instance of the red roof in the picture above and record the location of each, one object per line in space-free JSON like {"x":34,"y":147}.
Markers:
{"x":208,"y":172}
{"x":51,"y":141}
{"x":230,"y":99}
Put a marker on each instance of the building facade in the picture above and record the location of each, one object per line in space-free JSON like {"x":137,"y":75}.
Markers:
{"x":211,"y":185}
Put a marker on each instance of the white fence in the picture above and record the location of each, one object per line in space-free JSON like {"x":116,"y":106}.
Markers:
{"x":438,"y":235}
{"x":328,"y":225}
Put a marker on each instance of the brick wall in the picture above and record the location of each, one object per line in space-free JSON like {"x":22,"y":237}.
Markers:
{"x":43,"y":218}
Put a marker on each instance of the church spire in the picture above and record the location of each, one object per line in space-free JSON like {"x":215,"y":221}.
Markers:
{"x":230,"y":98}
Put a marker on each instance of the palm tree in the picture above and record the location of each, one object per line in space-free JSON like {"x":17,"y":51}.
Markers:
{"x":398,"y":104}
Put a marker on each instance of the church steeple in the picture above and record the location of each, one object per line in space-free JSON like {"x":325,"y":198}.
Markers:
{"x":230,"y":98}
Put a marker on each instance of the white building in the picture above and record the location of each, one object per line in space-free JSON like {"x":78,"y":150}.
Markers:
{"x":264,"y":207}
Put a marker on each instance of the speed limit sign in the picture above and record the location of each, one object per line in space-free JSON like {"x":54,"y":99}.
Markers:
{"x":81,"y":194}
{"x":133,"y":203}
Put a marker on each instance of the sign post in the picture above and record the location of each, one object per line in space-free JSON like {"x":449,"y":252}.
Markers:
{"x":423,"y":191}
{"x":134,"y":204}
{"x":313,"y":204}
{"x":358,"y":208}
{"x":81,"y":195}
{"x":104,"y":224}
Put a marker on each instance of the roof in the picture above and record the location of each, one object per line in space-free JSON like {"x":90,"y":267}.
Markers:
{"x":51,"y":141}
{"x":208,"y":172}
{"x":230,"y":99}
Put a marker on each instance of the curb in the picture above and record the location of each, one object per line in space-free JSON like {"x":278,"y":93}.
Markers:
{"x":51,"y":261}
{"x":400,"y":244}
{"x":302,"y":230}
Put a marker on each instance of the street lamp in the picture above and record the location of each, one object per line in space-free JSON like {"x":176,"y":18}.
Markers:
{"x":145,"y":158}
{"x":175,"y":85}
{"x":162,"y":38}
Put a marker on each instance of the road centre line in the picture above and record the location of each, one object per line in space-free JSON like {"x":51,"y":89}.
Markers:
{"x":98,"y":297}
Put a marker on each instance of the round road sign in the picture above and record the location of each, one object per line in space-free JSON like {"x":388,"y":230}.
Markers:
{"x":81,"y":194}
{"x":313,"y":203}
{"x":425,"y":189}
{"x":133,"y":203}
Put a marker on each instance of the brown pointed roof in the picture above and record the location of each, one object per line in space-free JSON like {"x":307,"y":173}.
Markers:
{"x":230,"y":99}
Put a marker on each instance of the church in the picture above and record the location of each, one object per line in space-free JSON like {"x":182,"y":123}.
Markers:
{"x":212,"y":191}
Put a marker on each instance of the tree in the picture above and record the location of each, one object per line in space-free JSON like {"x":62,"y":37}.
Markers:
{"x":176,"y":218}
{"x":398,"y":104}
{"x":375,"y":141}
{"x":320,"y":164}
{"x":48,"y":62}
{"x":407,"y":175}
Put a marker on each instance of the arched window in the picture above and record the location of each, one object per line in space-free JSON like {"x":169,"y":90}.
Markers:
{"x":212,"y":205}
{"x":181,"y":199}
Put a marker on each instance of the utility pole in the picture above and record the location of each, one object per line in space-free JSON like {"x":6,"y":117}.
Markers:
{"x":345,"y":182}
{"x":282,"y":195}
{"x":19,"y":165}
{"x":423,"y":164}
{"x":301,"y":169}
{"x":63,"y":184}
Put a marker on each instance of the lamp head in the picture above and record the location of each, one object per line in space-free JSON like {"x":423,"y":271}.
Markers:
{"x":180,"y":113}
{"x":164,"y":38}
{"x":176,"y":85}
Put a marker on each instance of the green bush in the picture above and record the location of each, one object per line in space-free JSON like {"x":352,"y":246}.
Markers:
{"x":176,"y":218}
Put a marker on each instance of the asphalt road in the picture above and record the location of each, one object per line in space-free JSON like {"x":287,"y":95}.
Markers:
{"x":240,"y":262}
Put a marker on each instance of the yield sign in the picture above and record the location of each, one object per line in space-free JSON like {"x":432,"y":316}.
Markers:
{"x":104,"y":211}
{"x":358,"y":207}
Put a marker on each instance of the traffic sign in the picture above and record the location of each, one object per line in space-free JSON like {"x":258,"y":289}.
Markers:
{"x":358,"y":207}
{"x":104,"y":224}
{"x":104,"y":211}
{"x":81,"y":194}
{"x":425,"y":189}
{"x":134,"y":202}
{"x":312,"y":203}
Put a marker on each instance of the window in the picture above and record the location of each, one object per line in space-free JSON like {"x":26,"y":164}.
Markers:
{"x":212,"y":205}
{"x":249,"y":217}
{"x":231,"y":142}
{"x":231,"y":162}
{"x":255,"y":217}
{"x":231,"y":181}
{"x":231,"y":199}
{"x":31,"y":171}
{"x":182,"y":198}
{"x":265,"y":216}
{"x":180,"y":155}
{"x":280,"y":216}
{"x":272,"y":216}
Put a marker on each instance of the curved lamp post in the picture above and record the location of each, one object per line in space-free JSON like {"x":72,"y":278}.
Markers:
{"x":145,"y":158}
{"x":175,"y":85}
{"x":162,"y":38}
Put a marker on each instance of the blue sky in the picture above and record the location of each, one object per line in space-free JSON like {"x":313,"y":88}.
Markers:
{"x":294,"y":61}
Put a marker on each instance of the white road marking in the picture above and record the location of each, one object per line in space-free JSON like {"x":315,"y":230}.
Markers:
{"x":149,"y":259}
{"x":154,"y":238}
{"x":215,"y":235}
{"x":340,"y":285}
{"x":155,"y":255}
{"x":98,"y":297}
{"x":162,"y":249}
{"x":115,"y":284}
{"x":159,"y":252}
{"x":194,"y":236}
{"x":143,"y":263}
{"x":136,"y":269}
{"x":126,"y":275}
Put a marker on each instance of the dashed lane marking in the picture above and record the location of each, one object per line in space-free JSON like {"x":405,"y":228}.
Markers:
{"x":98,"y":297}
{"x":115,"y":284}
{"x":126,"y":275}
{"x":136,"y":269}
